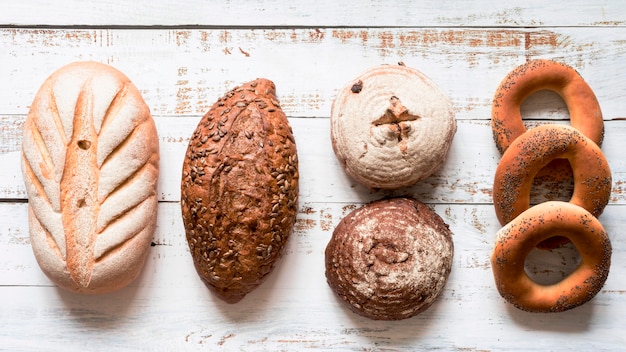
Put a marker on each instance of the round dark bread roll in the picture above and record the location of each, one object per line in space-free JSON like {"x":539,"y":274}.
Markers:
{"x":390,"y":259}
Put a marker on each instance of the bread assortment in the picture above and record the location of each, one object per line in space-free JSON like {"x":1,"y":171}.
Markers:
{"x":391,"y":127}
{"x":390,"y":259}
{"x":239,"y":189}
{"x":550,"y":224}
{"x":90,"y":162}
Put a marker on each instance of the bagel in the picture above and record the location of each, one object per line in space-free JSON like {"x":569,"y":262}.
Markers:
{"x":535,"y":75}
{"x":515,"y":241}
{"x":535,"y":149}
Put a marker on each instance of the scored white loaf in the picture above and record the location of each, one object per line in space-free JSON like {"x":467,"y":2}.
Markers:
{"x":90,"y":161}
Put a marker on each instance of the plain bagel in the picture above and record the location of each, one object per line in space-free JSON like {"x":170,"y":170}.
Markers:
{"x":515,"y":241}
{"x":535,"y":149}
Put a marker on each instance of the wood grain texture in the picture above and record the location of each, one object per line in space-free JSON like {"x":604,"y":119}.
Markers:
{"x":183,"y":58}
{"x":182,"y":71}
{"x":374,"y":13}
{"x":169,"y":308}
{"x":466,"y":176}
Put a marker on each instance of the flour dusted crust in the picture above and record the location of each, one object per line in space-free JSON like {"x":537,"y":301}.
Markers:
{"x":90,"y":161}
{"x":391,"y":127}
{"x":239,"y":189}
{"x":389,"y":259}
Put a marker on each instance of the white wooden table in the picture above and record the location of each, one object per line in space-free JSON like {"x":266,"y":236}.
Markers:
{"x":183,"y":57}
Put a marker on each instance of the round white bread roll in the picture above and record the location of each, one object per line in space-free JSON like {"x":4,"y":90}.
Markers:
{"x":90,"y":162}
{"x":391,"y":127}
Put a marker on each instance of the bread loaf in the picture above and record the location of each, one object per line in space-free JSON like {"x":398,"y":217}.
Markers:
{"x":239,"y":189}
{"x":90,"y":161}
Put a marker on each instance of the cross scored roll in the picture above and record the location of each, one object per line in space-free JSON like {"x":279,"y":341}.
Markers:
{"x":391,"y":127}
{"x":90,"y":162}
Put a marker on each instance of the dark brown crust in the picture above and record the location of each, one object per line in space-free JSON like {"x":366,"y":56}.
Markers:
{"x":239,"y":189}
{"x":535,"y":75}
{"x":535,"y":149}
{"x":535,"y":225}
{"x":389,"y":259}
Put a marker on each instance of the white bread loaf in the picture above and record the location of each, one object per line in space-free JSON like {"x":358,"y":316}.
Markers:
{"x":90,"y":161}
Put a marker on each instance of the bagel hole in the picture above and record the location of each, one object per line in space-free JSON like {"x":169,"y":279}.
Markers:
{"x":543,"y":105}
{"x":553,"y":183}
{"x":547,"y":267}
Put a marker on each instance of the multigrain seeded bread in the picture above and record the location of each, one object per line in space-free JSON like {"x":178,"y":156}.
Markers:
{"x":239,"y":189}
{"x":90,"y":162}
{"x":391,"y":127}
{"x":390,"y":259}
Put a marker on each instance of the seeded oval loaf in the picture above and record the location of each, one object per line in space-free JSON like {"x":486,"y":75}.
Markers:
{"x":90,"y":162}
{"x":239,"y":189}
{"x":390,"y":259}
{"x":391,"y":127}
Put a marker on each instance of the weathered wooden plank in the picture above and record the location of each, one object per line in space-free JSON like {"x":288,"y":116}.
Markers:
{"x":187,"y":320}
{"x":182,"y":72}
{"x":169,"y":263}
{"x":374,"y":13}
{"x":183,"y":57}
{"x":169,"y":308}
{"x":466,"y":176}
